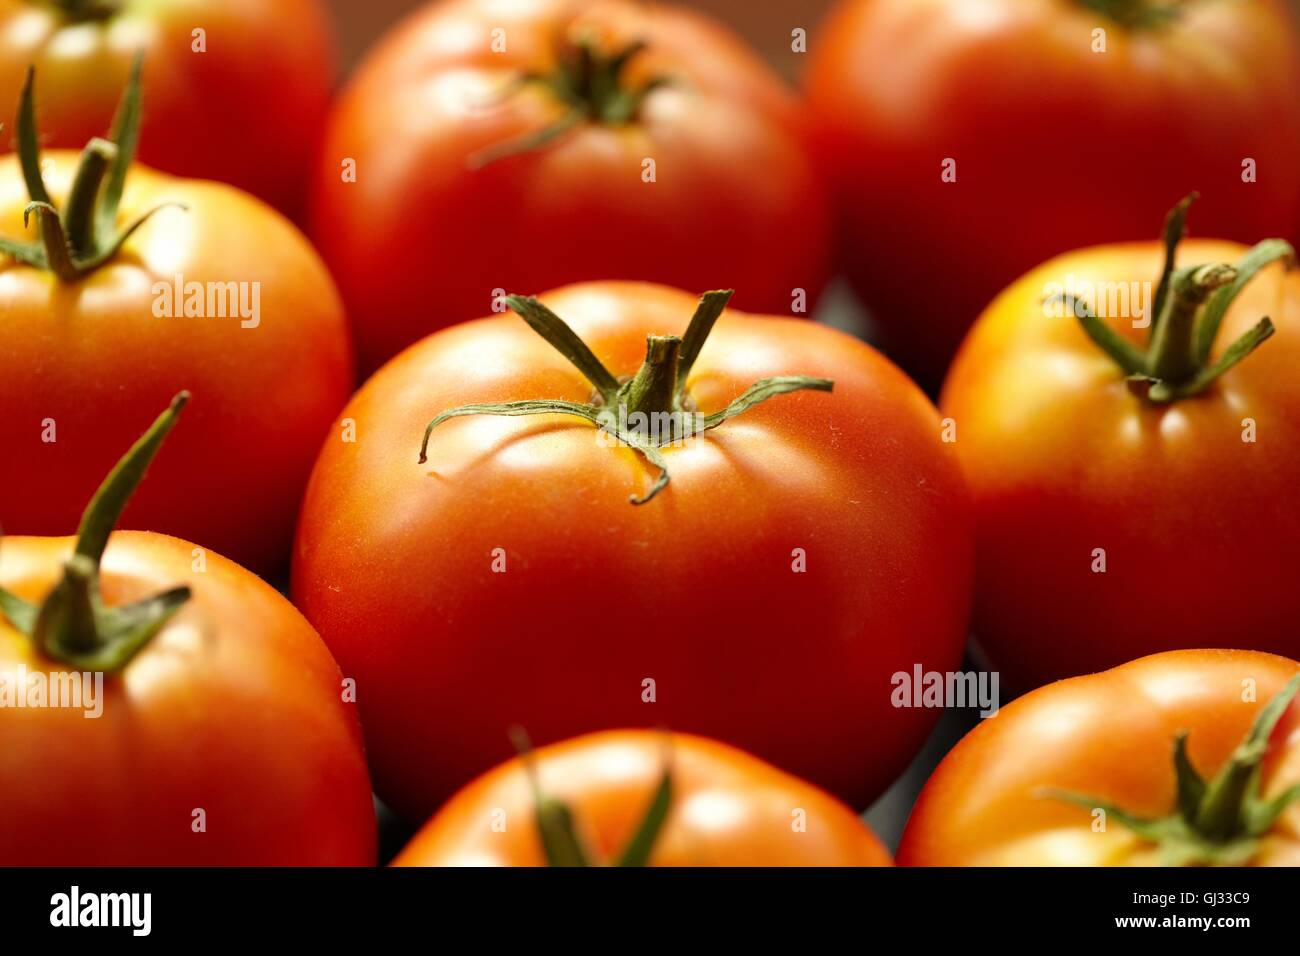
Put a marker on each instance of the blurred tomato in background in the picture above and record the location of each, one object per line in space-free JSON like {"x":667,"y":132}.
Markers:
{"x":486,"y":147}
{"x":234,"y":90}
{"x":969,"y":140}
{"x":1060,"y":137}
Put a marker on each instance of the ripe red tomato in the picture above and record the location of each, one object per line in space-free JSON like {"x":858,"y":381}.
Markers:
{"x":1056,"y":146}
{"x":1078,"y":773}
{"x":804,"y":551}
{"x":209,"y":725}
{"x":86,"y":355}
{"x":245,"y":109}
{"x":1111,"y":524}
{"x":645,"y":798}
{"x":427,"y":235}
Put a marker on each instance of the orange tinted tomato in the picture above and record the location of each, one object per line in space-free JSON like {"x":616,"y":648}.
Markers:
{"x":83,"y":362}
{"x":727,"y":809}
{"x":233,"y":709}
{"x":1108,"y":736}
{"x":1108,"y":526}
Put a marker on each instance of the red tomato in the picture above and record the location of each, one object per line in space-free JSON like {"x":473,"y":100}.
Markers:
{"x":802,"y":553}
{"x":217,"y":734}
{"x":1109,"y":525}
{"x":719,"y":807}
{"x":1056,"y":145}
{"x":1050,"y":779}
{"x":245,"y":109}
{"x":426,"y":235}
{"x":84,"y":357}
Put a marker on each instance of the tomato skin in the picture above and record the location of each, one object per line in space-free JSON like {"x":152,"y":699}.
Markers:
{"x":1097,"y":145}
{"x":92,"y":358}
{"x":693,"y":590}
{"x":728,"y":809}
{"x":234,"y":707}
{"x":735,"y":204}
{"x":1062,"y":459}
{"x":247,"y":111}
{"x":1110,"y":735}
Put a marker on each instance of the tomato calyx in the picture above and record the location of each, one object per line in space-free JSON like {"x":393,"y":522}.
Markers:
{"x":558,"y":832}
{"x":80,"y":11}
{"x":647,"y":411}
{"x":589,"y":81}
{"x":1189,"y":306}
{"x":1135,"y":13}
{"x":85,"y":234}
{"x":1219,"y":821}
{"x":72,"y":624}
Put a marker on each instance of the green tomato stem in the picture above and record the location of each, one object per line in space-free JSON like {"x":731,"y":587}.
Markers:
{"x":1189,"y":307}
{"x":28,"y":141}
{"x":557,"y":830}
{"x":1172,"y":354}
{"x":71,"y":624}
{"x":85,"y":235}
{"x":79,"y":217}
{"x":67,"y":626}
{"x":81,"y":10}
{"x":1175,"y":229}
{"x":654,"y":387}
{"x":105,"y":509}
{"x":57,"y":255}
{"x":658,"y":387}
{"x":1219,"y":821}
{"x":1136,"y":14}
{"x":565,"y":341}
{"x":591,"y":83}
